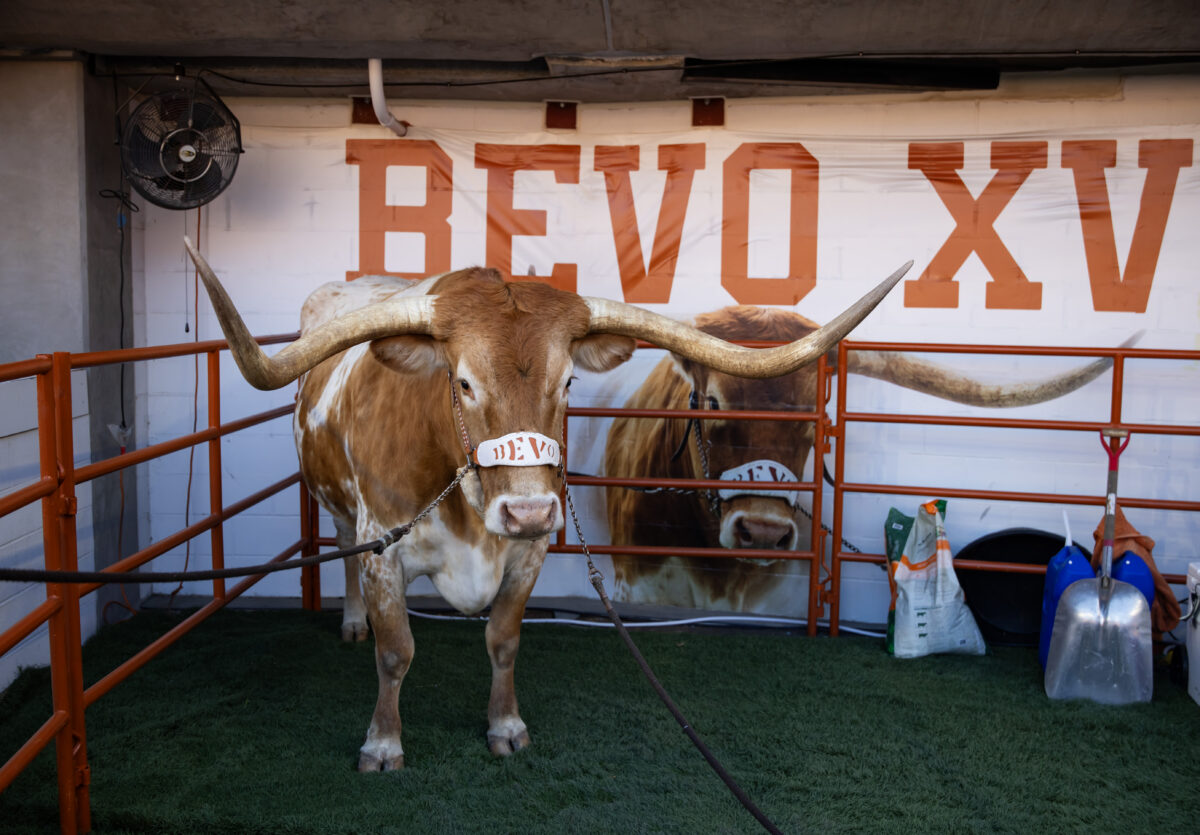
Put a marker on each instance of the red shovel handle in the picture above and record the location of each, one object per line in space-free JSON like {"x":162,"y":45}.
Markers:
{"x":1110,"y":439}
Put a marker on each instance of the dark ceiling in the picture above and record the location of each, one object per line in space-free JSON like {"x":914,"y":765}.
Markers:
{"x":608,"y":50}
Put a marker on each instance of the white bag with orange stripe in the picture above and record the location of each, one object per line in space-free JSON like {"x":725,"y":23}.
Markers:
{"x":930,"y":614}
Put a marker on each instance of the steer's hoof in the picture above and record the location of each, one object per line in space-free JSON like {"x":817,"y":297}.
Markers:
{"x":354,"y":631}
{"x":502,"y":745}
{"x":375,"y":762}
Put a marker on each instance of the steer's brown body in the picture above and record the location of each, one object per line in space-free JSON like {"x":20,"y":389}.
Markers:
{"x":378,"y":436}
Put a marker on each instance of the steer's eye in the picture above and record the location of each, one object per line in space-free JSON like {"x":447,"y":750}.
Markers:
{"x":712,"y":402}
{"x":567,"y":387}
{"x":465,"y":386}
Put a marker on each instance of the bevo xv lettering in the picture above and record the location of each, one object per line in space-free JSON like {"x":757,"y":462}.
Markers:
{"x":647,"y":282}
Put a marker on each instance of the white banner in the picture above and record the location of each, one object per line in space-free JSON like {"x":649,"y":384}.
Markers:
{"x":1064,"y":237}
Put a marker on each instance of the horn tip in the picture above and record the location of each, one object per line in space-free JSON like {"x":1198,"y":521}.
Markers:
{"x":190,"y":247}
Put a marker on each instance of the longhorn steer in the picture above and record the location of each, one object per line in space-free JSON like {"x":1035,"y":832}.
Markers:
{"x":743,"y":452}
{"x":401,"y":381}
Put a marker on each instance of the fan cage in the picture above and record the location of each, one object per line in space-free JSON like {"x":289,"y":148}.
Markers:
{"x":180,"y":147}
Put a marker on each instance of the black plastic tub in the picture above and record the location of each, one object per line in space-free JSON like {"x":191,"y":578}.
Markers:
{"x":1008,"y":606}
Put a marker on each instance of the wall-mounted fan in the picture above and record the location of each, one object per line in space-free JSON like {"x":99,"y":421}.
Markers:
{"x":180,"y":147}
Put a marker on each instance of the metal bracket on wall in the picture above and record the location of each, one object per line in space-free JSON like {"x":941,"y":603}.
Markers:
{"x":709,"y":112}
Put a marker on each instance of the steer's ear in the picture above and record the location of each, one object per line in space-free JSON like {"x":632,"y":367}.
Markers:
{"x":602,"y":351}
{"x":410,"y":352}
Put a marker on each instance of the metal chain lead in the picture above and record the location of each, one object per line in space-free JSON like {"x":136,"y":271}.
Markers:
{"x":396,"y":534}
{"x":594,"y":574}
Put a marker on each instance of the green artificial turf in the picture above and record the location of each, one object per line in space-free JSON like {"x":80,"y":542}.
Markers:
{"x":252,"y":724}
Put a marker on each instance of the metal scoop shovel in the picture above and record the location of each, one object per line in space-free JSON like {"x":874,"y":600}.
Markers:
{"x":1101,"y":646}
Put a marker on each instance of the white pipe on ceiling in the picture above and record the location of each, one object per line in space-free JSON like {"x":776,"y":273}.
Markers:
{"x":379,"y":101}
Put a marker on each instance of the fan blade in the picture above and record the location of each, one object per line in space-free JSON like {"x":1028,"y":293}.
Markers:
{"x":166,"y":184}
{"x":209,"y":185}
{"x":187,"y":195}
{"x":206,"y":115}
{"x":142,"y":154}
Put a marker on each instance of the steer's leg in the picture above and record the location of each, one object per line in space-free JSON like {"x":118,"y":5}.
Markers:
{"x":354,"y":612}
{"x":506,"y":731}
{"x":383,"y":588}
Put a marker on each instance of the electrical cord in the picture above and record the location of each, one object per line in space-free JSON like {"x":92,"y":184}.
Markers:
{"x":734,"y":620}
{"x":187,"y":501}
{"x":127,"y":207}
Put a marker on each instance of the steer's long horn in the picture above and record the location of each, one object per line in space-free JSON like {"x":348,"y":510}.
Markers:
{"x":389,"y":318}
{"x":939,"y":381}
{"x":627,"y":320}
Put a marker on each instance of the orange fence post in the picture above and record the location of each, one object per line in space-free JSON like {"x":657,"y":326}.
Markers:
{"x":59,"y":678}
{"x":66,"y":654}
{"x":1118,"y":388}
{"x":215,"y":499}
{"x":310,"y":575}
{"x":560,"y":538}
{"x":839,"y":477}
{"x":817,"y":541}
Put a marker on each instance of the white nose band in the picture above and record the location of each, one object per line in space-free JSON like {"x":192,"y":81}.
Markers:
{"x":764,"y":469}
{"x":519,"y":449}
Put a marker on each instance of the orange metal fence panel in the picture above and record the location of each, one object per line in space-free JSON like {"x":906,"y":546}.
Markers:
{"x":845,"y":417}
{"x":58,"y":477}
{"x":55,"y":487}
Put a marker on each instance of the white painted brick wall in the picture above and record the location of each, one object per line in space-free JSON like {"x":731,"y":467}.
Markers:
{"x":289,"y":223}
